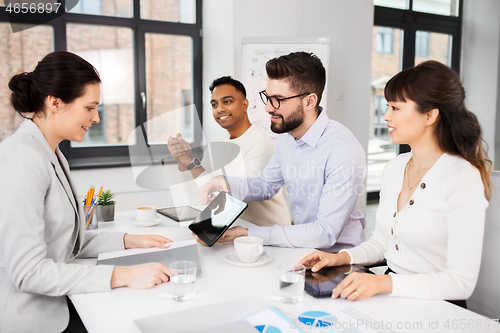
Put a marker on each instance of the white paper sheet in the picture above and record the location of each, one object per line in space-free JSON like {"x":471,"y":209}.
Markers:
{"x":116,"y":254}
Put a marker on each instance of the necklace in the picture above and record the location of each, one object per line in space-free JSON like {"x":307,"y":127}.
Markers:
{"x":408,"y":174}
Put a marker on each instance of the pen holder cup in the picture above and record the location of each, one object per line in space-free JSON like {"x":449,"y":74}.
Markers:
{"x":90,"y":217}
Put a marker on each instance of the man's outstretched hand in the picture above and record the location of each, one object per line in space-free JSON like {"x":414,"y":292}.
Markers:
{"x":181,"y":151}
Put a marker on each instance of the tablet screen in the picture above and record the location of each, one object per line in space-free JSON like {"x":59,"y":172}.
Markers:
{"x":184,"y":213}
{"x":321,"y":283}
{"x":217,"y":217}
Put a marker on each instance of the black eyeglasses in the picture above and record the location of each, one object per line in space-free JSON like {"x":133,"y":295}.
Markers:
{"x":275,"y":101}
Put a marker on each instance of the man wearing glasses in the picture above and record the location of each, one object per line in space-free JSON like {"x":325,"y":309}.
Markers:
{"x":320,"y":162}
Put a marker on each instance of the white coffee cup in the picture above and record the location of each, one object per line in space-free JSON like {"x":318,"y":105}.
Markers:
{"x":249,"y":248}
{"x":145,"y":213}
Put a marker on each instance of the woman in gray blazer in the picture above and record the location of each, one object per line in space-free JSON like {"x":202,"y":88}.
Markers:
{"x":41,"y":226}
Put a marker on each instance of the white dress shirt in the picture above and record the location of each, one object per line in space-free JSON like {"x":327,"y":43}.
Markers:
{"x":323,"y":174}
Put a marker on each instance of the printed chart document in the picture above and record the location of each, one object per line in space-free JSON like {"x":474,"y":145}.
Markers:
{"x":272,"y":320}
{"x":244,"y":315}
{"x":338,"y":316}
{"x":223,"y":317}
{"x":185,"y":250}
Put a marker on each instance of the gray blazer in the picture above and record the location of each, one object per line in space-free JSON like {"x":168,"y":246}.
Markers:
{"x":41,"y":231}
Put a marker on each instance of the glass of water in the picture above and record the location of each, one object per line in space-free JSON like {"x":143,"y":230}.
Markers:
{"x":292,"y":279}
{"x":182,"y":279}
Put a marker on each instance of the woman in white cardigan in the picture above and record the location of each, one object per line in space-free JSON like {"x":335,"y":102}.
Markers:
{"x":430,"y":220}
{"x":41,"y":225}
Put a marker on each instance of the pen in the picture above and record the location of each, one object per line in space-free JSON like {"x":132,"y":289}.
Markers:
{"x":99,"y":194}
{"x":87,"y":199}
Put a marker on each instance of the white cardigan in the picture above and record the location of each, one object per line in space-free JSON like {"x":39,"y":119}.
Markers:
{"x":434,"y":242}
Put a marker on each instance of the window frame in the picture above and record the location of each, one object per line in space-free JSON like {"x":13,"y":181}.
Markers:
{"x":118,"y":155}
{"x":409,"y":22}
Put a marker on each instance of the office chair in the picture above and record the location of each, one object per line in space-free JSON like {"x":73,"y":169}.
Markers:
{"x":485,"y":299}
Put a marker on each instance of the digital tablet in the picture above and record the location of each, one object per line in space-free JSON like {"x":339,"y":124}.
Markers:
{"x":217,"y":217}
{"x":321,"y":283}
{"x":183,"y":213}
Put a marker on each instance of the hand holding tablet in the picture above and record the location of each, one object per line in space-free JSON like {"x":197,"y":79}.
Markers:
{"x":217,"y":217}
{"x":320,"y":284}
{"x":209,"y":189}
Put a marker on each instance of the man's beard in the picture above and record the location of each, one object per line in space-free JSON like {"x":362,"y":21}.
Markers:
{"x":292,"y":122}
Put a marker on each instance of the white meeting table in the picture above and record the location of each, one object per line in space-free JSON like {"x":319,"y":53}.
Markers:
{"x":115,"y":311}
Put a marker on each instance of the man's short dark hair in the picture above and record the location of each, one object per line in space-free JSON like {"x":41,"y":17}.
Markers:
{"x":228,"y":80}
{"x":304,"y":70}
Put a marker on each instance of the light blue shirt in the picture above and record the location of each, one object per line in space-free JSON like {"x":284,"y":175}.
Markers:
{"x":323,"y":173}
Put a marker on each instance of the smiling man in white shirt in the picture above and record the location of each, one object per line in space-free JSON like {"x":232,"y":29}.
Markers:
{"x":229,"y":109}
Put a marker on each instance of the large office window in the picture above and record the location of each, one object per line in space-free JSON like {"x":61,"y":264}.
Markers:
{"x":167,"y":88}
{"x":19,"y":52}
{"x":441,"y":7}
{"x":112,"y":55}
{"x":148,"y":54}
{"x":123,"y":8}
{"x":183,"y":11}
{"x":420,"y":30}
{"x":384,"y":66}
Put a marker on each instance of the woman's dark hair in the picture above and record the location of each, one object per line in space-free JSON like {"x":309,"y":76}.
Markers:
{"x":432,"y":85}
{"x":60,"y":74}
{"x":305,"y":71}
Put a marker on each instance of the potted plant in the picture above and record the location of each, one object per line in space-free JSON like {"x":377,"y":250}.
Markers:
{"x":106,"y":207}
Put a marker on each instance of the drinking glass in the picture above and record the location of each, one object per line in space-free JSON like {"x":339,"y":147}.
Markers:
{"x":292,"y":279}
{"x":182,"y":278}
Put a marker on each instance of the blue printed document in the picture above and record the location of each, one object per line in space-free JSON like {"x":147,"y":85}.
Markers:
{"x":339,"y":316}
{"x":272,"y":320}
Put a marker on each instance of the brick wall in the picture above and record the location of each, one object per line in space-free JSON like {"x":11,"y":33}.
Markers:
{"x":168,"y":67}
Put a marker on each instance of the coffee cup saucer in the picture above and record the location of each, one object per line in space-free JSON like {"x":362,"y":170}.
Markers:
{"x":233,"y":259}
{"x":151,"y":223}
